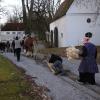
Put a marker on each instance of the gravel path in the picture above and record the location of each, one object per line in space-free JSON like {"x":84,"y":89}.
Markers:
{"x":61,"y":87}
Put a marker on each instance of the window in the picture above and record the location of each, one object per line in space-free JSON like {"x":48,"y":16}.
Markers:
{"x":13,"y":32}
{"x":19,"y":32}
{"x":62,"y":35}
{"x":8,"y":32}
{"x":89,"y":20}
{"x":56,"y":37}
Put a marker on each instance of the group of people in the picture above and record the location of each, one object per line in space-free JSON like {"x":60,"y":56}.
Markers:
{"x":2,"y":46}
{"x":14,"y":46}
{"x":5,"y":46}
{"x":27,"y":44}
{"x":88,"y":66}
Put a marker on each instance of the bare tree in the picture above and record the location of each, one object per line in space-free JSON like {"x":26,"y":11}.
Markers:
{"x":39,"y":12}
{"x":0,"y":7}
{"x":24,"y":16}
{"x":2,"y":10}
{"x":16,"y":15}
{"x":27,"y":8}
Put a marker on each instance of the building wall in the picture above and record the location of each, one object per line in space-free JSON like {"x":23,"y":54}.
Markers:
{"x":60,"y":24}
{"x":84,"y":7}
{"x":10,"y":35}
{"x":77,"y":26}
{"x":76,"y":19}
{"x":74,"y":25}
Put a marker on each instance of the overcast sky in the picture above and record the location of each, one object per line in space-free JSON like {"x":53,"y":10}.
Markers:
{"x":8,"y":4}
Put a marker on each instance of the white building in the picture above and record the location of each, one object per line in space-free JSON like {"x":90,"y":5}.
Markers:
{"x":72,"y":21}
{"x":11,"y":30}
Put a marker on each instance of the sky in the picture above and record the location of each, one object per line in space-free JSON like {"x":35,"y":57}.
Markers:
{"x":8,"y":4}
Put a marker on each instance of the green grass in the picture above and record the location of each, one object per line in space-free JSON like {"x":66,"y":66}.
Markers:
{"x":13,"y":84}
{"x":7,"y":71}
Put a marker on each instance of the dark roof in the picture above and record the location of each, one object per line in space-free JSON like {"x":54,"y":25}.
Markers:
{"x":13,"y":27}
{"x":62,"y":9}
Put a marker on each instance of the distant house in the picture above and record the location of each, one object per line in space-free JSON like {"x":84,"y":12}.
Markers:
{"x":71,"y":22}
{"x":10,"y":30}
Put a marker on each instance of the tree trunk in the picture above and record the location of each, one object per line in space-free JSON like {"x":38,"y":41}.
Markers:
{"x":24,"y":17}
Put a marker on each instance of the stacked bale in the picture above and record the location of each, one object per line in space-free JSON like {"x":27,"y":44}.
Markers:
{"x":72,"y":53}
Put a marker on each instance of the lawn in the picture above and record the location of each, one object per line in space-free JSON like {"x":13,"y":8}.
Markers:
{"x":15,"y":85}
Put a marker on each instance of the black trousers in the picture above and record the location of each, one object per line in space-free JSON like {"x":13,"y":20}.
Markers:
{"x":18,"y":51}
{"x":14,"y":51}
{"x":87,"y":78}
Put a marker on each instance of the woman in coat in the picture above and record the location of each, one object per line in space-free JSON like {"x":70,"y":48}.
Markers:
{"x":88,"y":66}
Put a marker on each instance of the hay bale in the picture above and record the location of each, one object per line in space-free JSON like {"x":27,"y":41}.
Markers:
{"x":72,"y":53}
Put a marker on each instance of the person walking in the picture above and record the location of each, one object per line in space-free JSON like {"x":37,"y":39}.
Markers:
{"x":8,"y":46}
{"x":88,"y":66}
{"x":13,"y":46}
{"x":17,"y":48}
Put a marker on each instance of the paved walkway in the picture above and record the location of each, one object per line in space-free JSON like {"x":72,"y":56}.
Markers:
{"x":61,"y":87}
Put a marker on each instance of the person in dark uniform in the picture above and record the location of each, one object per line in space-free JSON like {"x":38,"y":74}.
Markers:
{"x":88,"y":66}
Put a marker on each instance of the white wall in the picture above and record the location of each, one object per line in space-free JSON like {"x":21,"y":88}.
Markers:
{"x":77,"y":26}
{"x":76,"y":20}
{"x":83,"y":7}
{"x":60,"y":24}
{"x":74,"y":25}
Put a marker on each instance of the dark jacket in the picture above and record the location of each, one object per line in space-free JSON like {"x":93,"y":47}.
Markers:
{"x":88,"y":63}
{"x":54,"y":58}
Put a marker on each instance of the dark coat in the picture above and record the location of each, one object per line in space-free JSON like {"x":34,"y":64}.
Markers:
{"x":88,"y":63}
{"x":55,"y":58}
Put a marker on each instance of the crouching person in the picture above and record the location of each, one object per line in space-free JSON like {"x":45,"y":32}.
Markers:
{"x":55,"y":64}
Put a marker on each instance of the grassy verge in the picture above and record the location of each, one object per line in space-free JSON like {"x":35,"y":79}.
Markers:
{"x":61,"y":52}
{"x":15,"y":85}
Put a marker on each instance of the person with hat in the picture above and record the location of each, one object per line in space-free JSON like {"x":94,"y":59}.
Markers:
{"x":88,"y":66}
